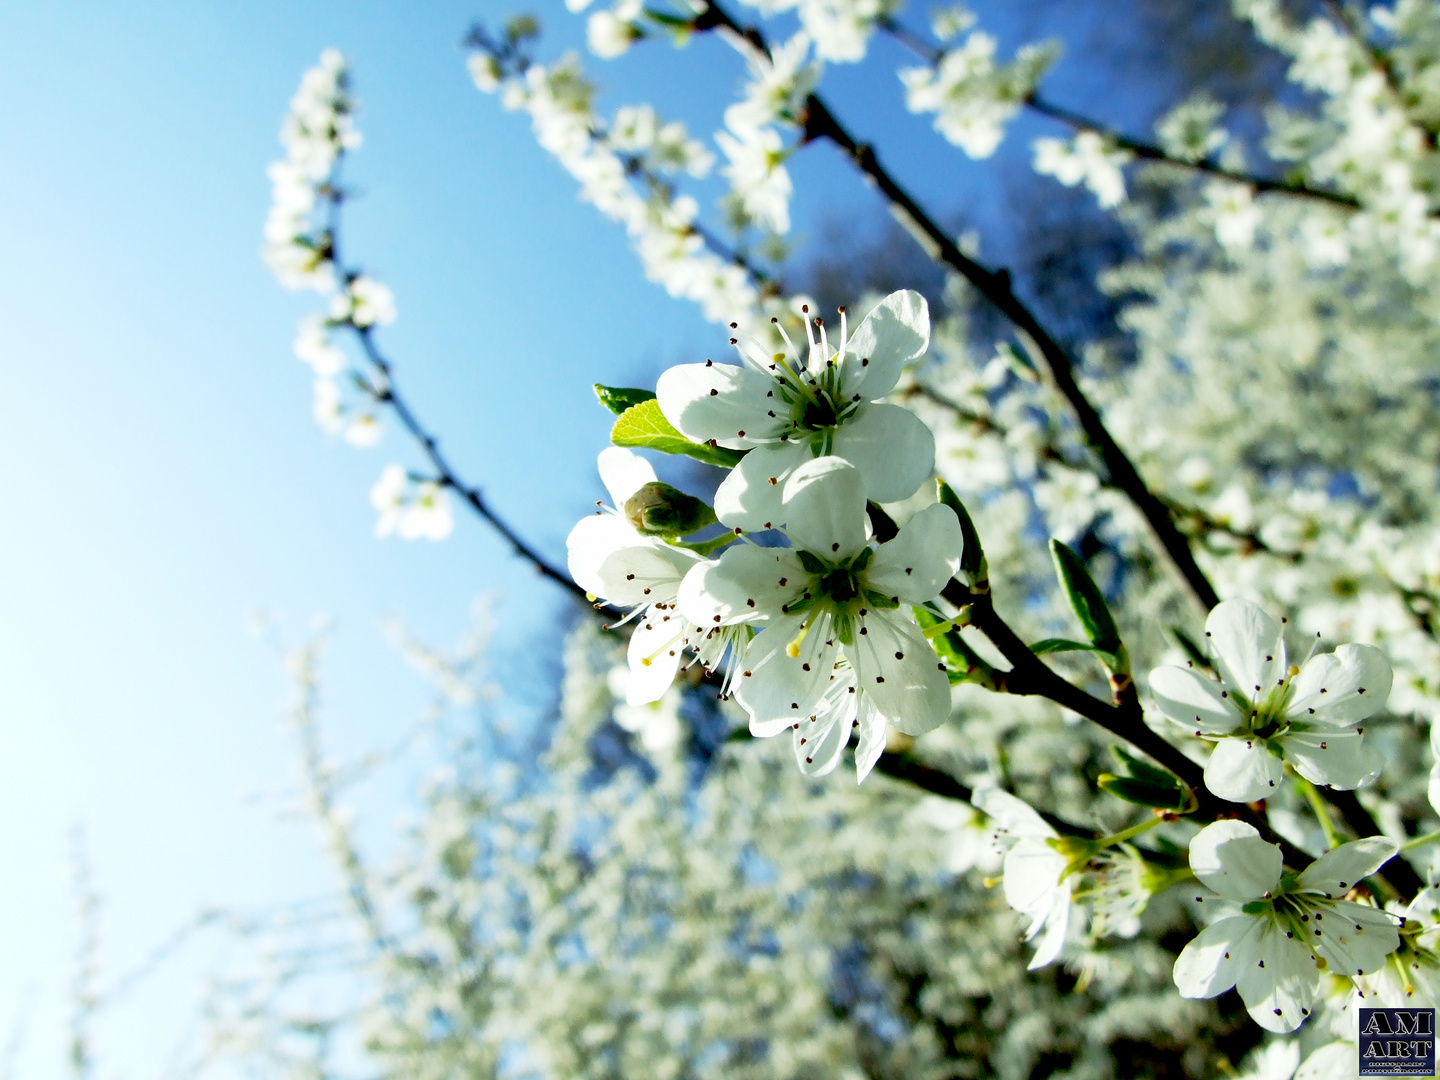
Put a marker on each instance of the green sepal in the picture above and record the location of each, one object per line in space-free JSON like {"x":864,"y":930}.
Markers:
{"x":1142,"y":793}
{"x":880,"y":600}
{"x":1058,"y":644}
{"x":972,"y":555}
{"x":811,"y":562}
{"x":657,"y":509}
{"x":1140,"y":769}
{"x":1085,"y":599}
{"x":644,"y":426}
{"x":702,"y":547}
{"x":619,"y":398}
{"x":962,"y":664}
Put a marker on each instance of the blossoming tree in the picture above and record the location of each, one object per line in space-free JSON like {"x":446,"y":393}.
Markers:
{"x":1144,"y":627}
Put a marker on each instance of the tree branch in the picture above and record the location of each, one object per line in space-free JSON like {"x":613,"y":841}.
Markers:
{"x":821,"y":123}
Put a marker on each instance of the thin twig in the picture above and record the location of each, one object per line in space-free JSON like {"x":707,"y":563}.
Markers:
{"x":1378,"y":60}
{"x":1141,"y":149}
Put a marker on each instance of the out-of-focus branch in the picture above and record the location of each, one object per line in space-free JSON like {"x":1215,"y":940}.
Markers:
{"x":383,"y":391}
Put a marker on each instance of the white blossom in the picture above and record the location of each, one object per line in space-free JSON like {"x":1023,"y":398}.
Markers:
{"x":1289,"y":928}
{"x":412,"y":510}
{"x":1263,"y":712}
{"x":785,"y":411}
{"x":1086,"y":158}
{"x":837,"y":642}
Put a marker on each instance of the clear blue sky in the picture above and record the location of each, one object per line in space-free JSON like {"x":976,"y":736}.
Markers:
{"x":161,"y":470}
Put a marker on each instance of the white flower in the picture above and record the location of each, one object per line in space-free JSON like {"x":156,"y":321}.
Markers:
{"x":971,"y":96}
{"x":608,"y":35}
{"x":1291,"y":926}
{"x":423,"y":512}
{"x":327,"y":409}
{"x":780,"y":82}
{"x":485,"y":71}
{"x":1233,"y":210}
{"x":365,"y":302}
{"x":657,"y":723}
{"x":1333,"y":1061}
{"x":610,"y":559}
{"x":1037,"y":874}
{"x":786,"y":413}
{"x":314,"y":347}
{"x":1415,"y":966}
{"x":1262,"y":713}
{"x":1276,"y":1061}
{"x":838,"y":642}
{"x":758,"y":179}
{"x":1087,"y":158}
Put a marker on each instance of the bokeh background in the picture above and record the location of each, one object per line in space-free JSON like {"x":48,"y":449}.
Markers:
{"x":165,"y":490}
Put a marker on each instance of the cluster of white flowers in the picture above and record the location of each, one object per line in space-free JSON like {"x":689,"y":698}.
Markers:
{"x":410,"y":508}
{"x":820,"y":635}
{"x":1279,"y":397}
{"x":299,"y":248}
{"x":974,"y":98}
{"x":1085,"y":158}
{"x":661,"y":224}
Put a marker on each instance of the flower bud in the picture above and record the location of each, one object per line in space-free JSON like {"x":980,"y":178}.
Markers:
{"x":658,"y":509}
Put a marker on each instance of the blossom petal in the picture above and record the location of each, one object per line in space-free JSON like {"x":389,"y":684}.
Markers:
{"x":1277,"y":979}
{"x":924,"y":555}
{"x":1336,"y":872}
{"x":654,"y":654}
{"x":750,"y":497}
{"x":593,"y":540}
{"x":820,"y":741}
{"x":1032,"y":874}
{"x":623,"y":473}
{"x":1333,"y":1061}
{"x":746,"y":584}
{"x":824,"y":507}
{"x":1012,"y":815}
{"x":779,"y":690}
{"x":870,"y":736}
{"x":1249,"y":648}
{"x":1195,"y":702}
{"x":718,"y":401}
{"x":644,"y":573}
{"x":894,"y":663}
{"x":1242,"y":769}
{"x":892,"y":447}
{"x":1057,"y":924}
{"x":1354,"y":938}
{"x":892,"y":335}
{"x":1343,"y":687}
{"x":1210,"y":963}
{"x":1230,"y":859}
{"x":1335,"y":756}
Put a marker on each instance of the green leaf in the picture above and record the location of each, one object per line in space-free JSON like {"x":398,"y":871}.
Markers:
{"x":619,"y":398}
{"x":972,"y":555}
{"x":962,"y":664}
{"x":1085,"y":599}
{"x":644,"y":426}
{"x":1158,"y":796}
{"x":1141,"y":769}
{"x":1060,"y":644}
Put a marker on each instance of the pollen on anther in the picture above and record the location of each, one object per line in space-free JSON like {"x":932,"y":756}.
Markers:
{"x":774,"y":480}
{"x":804,"y":667}
{"x":879,"y":678}
{"x":732,"y":341}
{"x":714,"y":392}
{"x":834,"y":547}
{"x":899,"y":656}
{"x":738,"y":530}
{"x":740,"y":434}
{"x":749,"y":601}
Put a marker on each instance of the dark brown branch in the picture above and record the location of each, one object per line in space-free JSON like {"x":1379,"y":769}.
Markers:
{"x":1150,"y":152}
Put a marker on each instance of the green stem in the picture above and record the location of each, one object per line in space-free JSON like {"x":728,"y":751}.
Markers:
{"x":1128,"y":834}
{"x":1322,"y":812}
{"x":1420,"y":841}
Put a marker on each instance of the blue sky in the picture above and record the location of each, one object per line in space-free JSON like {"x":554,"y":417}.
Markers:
{"x":162,"y":474}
